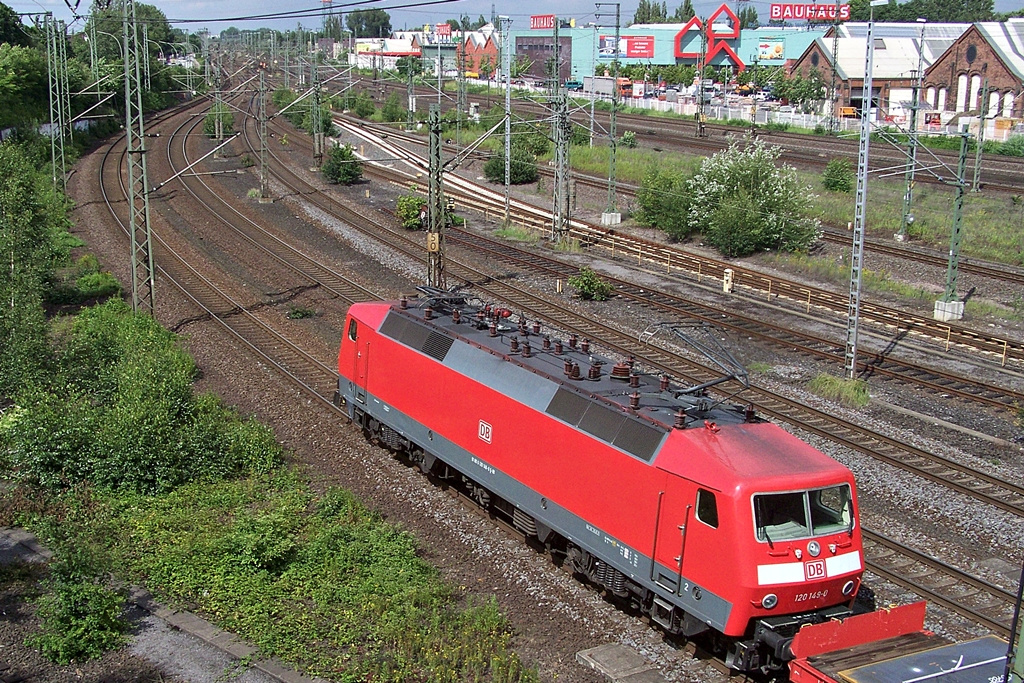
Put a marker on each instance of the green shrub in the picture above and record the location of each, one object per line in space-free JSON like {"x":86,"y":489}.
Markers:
{"x":628,"y":139}
{"x":522,"y":167}
{"x":1013,"y":147}
{"x":341,"y":165}
{"x":663,"y":202}
{"x":589,"y":285}
{"x":407,"y":208}
{"x":226,"y":118}
{"x":838,"y":176}
{"x":83,"y":281}
{"x":852,"y":393}
{"x":80,"y":618}
{"x":393,"y":111}
{"x":362,"y":106}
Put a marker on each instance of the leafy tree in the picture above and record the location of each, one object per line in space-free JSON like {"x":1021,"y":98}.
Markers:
{"x":227,"y":121}
{"x":407,"y":66}
{"x":684,"y":12}
{"x":522,"y":167}
{"x":369,"y":23}
{"x":341,"y":165}
{"x":748,"y":18}
{"x":520,"y":66}
{"x":487,"y":66}
{"x":744,"y":203}
{"x":650,"y":12}
{"x":24,"y":86}
{"x":12,"y":31}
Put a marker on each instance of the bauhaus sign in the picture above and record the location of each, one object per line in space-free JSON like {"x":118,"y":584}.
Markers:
{"x":783,"y":11}
{"x":542,"y":21}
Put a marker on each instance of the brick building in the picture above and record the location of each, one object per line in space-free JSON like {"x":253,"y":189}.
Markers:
{"x":987,"y":51}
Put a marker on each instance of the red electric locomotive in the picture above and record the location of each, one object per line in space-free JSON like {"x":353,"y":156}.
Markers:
{"x":700,"y":514}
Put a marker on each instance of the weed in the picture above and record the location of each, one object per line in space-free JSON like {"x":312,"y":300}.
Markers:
{"x":853,"y":393}
{"x":298,"y":313}
{"x":570,"y":245}
{"x":589,"y":285}
{"x":253,"y":193}
{"x":759,"y":368}
{"x":247,"y":161}
{"x":514,"y":233}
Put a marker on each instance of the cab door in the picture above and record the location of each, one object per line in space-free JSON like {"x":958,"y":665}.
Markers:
{"x":360,"y":359}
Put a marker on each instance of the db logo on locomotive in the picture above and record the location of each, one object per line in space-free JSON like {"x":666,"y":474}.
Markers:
{"x":814,"y":570}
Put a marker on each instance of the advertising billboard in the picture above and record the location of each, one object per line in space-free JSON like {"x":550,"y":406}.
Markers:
{"x":811,"y":12}
{"x":635,"y":47}
{"x":771,"y":49}
{"x":443,"y":30}
{"x":542,"y":21}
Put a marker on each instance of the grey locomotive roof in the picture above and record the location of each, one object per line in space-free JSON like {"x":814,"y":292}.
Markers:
{"x":631,"y":415}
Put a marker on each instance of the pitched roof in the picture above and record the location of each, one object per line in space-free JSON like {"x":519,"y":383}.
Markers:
{"x":1007,"y":39}
{"x":895,"y":57}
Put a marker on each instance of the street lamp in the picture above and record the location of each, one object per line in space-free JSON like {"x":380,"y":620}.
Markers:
{"x":915,"y":105}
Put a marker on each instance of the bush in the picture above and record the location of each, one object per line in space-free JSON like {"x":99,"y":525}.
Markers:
{"x":522,"y":167}
{"x":393,"y":111}
{"x":226,"y":118}
{"x":590,"y":286}
{"x":407,"y":208}
{"x":838,"y":176}
{"x":82,"y":282}
{"x":744,"y":183}
{"x":341,"y":166}
{"x":663,"y":203}
{"x":362,"y":106}
{"x":628,"y":139}
{"x":1013,"y":147}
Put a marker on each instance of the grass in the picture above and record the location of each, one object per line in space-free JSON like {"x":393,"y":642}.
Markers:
{"x":316,"y":580}
{"x":853,"y":393}
{"x":759,"y":368}
{"x":514,"y":233}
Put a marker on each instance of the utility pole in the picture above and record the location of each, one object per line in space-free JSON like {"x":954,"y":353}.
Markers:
{"x":982,"y":115}
{"x":435,"y":204}
{"x":915,"y":106}
{"x":948,"y":308}
{"x":460,"y":97}
{"x":317,"y":115}
{"x":611,"y":215}
{"x":264,"y":180}
{"x":857,"y":253}
{"x":506,"y":56}
{"x":701,"y":130}
{"x":833,"y":93}
{"x":409,"y":101}
{"x":60,"y":100}
{"x":143,"y":275}
{"x":145,"y":57}
{"x":563,"y":130}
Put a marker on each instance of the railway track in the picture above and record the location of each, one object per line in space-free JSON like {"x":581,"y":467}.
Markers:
{"x":887,"y":247}
{"x":998,"y":175}
{"x":318,"y":379}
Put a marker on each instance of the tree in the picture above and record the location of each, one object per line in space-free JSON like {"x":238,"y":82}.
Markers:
{"x":663,"y":202}
{"x":522,"y":167}
{"x":393,"y":111}
{"x":684,"y":12}
{"x":24,"y":86}
{"x":651,"y":12}
{"x":743,"y":203}
{"x":12,"y":31}
{"x":486,"y":68}
{"x":748,"y":18}
{"x":227,"y":120}
{"x":341,"y":166}
{"x":369,"y":23}
{"x":407,"y":66}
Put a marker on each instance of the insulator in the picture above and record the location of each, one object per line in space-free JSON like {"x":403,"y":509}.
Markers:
{"x":558,"y":346}
{"x":572,"y":341}
{"x":568,"y":367}
{"x":631,"y":360}
{"x":620,"y":371}
{"x":403,"y":302}
{"x":680,"y":422}
{"x":575,"y":374}
{"x":594,"y":372}
{"x":456,"y":316}
{"x":749,"y":414}
{"x":663,"y":383}
{"x":494,"y":328}
{"x":522,"y":328}
{"x":634,"y":380}
{"x":585,"y":346}
{"x":480,"y":315}
{"x":547,"y":343}
{"x":634,"y":400}
{"x":513,"y":345}
{"x":536,"y":327}
{"x":526,"y":348}
{"x":428,"y":313}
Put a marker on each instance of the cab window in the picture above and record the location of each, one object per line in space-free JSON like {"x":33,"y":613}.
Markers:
{"x":352,"y":329}
{"x":707,"y":508}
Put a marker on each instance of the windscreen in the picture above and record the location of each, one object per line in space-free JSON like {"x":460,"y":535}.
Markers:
{"x":802,"y":514}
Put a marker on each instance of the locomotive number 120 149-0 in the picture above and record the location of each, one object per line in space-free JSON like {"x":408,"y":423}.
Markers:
{"x":816,"y":595}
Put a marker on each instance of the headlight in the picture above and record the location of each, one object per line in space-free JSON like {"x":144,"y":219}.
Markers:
{"x":848,"y":588}
{"x":769,"y":601}
{"x":814,"y":548}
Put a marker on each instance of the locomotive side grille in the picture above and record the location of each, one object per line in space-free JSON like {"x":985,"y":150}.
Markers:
{"x":421,"y":338}
{"x":639,"y":439}
{"x":568,"y":406}
{"x":437,"y":345}
{"x":602,"y":422}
